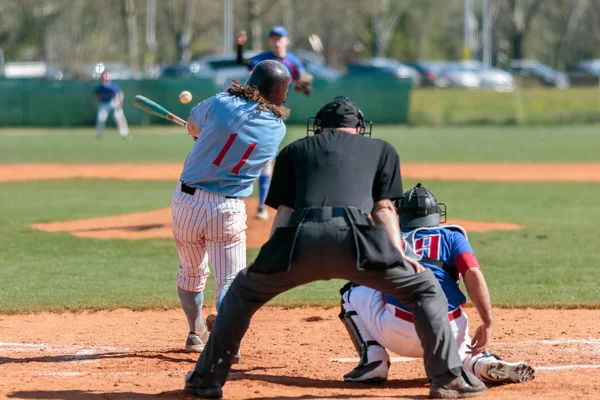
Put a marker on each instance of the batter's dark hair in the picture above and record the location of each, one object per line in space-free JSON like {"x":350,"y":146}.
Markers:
{"x":251,"y":93}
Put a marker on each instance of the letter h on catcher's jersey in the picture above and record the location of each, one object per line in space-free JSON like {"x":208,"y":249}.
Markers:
{"x":428,"y":246}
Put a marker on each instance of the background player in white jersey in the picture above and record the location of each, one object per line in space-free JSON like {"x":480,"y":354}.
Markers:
{"x":377,"y":322}
{"x":109,"y":97}
{"x":237,"y":132}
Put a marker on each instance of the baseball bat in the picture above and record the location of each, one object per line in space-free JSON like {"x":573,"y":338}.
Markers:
{"x":154,"y":108}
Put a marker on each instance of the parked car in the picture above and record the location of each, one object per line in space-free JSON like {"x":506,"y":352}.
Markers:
{"x":118,"y":71}
{"x":184,"y":71}
{"x":585,"y":73}
{"x":429,"y":71}
{"x":496,"y":79}
{"x":385,"y":66}
{"x":457,"y":74}
{"x":225,"y":68}
{"x":542,"y":74}
{"x":27,"y":70}
{"x":490,"y":78}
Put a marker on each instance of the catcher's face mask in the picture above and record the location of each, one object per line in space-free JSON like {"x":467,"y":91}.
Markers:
{"x":339,"y":113}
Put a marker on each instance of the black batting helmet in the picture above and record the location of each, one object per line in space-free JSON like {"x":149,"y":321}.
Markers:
{"x":272,"y":79}
{"x":419,"y":208}
{"x":339,"y":113}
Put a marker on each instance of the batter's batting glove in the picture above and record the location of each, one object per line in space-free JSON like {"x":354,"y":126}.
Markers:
{"x":304,"y":83}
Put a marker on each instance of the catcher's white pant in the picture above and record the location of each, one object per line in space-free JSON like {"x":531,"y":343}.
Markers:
{"x":103,"y":110}
{"x":378,"y":321}
{"x":208,"y":227}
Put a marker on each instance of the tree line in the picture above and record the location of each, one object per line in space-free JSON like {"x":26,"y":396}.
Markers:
{"x":141,"y":33}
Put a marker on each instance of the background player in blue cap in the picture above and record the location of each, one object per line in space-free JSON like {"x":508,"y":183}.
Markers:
{"x":278,"y":41}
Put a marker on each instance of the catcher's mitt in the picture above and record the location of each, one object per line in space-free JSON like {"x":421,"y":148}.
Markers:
{"x":304,"y":83}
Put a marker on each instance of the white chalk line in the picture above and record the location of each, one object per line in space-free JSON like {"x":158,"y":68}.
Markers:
{"x":566,"y":367}
{"x":552,"y":342}
{"x":356,"y":359}
{"x":81,"y":350}
{"x":122,"y":373}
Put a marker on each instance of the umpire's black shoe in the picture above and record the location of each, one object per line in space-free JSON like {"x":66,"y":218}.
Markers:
{"x":195,"y":385}
{"x":448,"y":386}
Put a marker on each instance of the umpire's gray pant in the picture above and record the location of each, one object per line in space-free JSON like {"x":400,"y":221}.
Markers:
{"x":326,"y":250}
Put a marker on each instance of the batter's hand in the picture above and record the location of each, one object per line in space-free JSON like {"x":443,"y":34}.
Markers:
{"x":481,"y":338}
{"x":193,"y":131}
{"x":241,"y":38}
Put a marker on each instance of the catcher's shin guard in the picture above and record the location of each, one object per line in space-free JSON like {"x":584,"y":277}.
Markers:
{"x":372,"y":369}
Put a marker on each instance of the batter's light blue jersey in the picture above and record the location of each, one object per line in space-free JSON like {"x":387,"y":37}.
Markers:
{"x":234,"y":144}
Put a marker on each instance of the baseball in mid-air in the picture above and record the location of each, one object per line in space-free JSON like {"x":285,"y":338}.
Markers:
{"x":185,"y":97}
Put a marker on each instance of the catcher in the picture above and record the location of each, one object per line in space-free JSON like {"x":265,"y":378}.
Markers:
{"x":278,"y":41}
{"x":377,"y":321}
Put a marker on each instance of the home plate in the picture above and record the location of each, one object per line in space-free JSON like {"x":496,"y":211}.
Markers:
{"x":356,"y":359}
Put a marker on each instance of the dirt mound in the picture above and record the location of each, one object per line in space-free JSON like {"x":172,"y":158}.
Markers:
{"x":157,"y":224}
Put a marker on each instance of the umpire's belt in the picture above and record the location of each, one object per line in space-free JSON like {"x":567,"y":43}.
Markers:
{"x":191,"y":190}
{"x":320,"y":214}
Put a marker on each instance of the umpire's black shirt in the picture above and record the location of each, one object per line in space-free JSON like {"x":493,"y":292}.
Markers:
{"x":335,"y":169}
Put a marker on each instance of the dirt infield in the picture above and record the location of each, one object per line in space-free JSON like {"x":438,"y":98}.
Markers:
{"x":287,"y":354}
{"x":492,"y":172}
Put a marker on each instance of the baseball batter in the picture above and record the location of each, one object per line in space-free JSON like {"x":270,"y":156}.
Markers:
{"x":110,"y":98}
{"x":378,"y":321}
{"x":278,"y":41}
{"x":237,"y":132}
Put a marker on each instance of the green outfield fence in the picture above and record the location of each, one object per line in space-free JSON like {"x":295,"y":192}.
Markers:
{"x":35,"y":102}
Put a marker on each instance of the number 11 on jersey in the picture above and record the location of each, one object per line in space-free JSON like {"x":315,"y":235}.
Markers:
{"x":225,"y":149}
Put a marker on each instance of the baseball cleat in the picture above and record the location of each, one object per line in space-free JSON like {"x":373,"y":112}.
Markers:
{"x":262,"y":214}
{"x":196,"y":342}
{"x":375,"y":372}
{"x":509,"y":372}
{"x":196,"y":386}
{"x":464,"y":386}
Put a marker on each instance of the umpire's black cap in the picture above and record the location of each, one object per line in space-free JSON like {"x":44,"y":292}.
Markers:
{"x":272,"y":79}
{"x":340,"y":113}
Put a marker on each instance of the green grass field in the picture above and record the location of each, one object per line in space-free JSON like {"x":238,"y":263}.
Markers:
{"x":552,"y":262}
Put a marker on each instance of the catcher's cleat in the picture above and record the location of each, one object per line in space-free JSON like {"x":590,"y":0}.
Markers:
{"x":448,"y":386}
{"x":196,"y":386}
{"x":196,"y":341}
{"x":509,"y":372}
{"x":375,"y":372}
{"x":210,"y":322}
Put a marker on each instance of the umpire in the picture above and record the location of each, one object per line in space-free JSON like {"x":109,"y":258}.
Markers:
{"x":324,"y":187}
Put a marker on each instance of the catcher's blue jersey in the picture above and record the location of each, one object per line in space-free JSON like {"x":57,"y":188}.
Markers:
{"x":235,"y":143}
{"x":448,"y":244}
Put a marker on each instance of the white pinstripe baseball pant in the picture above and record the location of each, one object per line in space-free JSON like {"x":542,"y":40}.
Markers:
{"x":208,"y":226}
